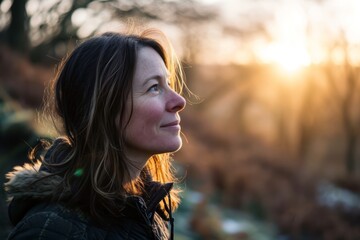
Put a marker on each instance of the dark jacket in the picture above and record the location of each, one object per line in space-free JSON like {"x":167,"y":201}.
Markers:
{"x":36,"y":217}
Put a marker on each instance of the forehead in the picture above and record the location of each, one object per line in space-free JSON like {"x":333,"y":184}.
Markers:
{"x":149,"y":64}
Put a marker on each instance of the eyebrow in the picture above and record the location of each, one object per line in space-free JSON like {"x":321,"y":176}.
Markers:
{"x":156,"y":76}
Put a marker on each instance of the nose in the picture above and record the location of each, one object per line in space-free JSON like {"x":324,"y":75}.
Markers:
{"x":175,"y":102}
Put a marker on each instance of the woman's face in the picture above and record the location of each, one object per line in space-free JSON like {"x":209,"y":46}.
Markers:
{"x":154,"y":126}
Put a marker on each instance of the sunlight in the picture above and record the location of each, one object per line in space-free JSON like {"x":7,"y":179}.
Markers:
{"x":290,"y":58}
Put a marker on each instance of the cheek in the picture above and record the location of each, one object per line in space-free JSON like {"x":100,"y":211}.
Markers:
{"x":145,"y":120}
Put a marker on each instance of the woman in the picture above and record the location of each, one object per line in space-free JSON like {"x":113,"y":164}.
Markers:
{"x":109,"y":175}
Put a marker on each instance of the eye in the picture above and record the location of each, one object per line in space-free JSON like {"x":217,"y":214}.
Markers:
{"x":154,"y":88}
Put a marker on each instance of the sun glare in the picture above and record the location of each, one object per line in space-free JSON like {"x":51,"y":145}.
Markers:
{"x":290,"y":58}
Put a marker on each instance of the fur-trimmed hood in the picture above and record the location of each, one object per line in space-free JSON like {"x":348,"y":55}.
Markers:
{"x":27,"y":186}
{"x":32,"y":192}
{"x":28,"y":182}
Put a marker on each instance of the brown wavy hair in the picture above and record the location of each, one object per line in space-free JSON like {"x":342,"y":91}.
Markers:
{"x":89,"y":91}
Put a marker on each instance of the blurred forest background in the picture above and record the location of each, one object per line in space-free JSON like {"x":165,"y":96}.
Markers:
{"x":272,"y":149}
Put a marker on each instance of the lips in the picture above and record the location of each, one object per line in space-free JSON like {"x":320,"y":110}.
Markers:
{"x":174,"y":123}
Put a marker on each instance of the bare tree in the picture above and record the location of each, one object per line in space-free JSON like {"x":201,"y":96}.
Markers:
{"x":50,"y":34}
{"x":349,"y":81}
{"x":18,"y":28}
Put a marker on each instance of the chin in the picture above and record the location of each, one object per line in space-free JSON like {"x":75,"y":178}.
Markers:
{"x":174,"y":147}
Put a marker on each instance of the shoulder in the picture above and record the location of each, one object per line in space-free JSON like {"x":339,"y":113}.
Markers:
{"x":55,"y":222}
{"x":50,"y":222}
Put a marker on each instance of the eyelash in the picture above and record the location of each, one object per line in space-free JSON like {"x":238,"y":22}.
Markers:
{"x":153,"y":86}
{"x":157,"y":86}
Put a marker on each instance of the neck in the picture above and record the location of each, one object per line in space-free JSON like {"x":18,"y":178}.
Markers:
{"x":135,"y":170}
{"x":136,"y":161}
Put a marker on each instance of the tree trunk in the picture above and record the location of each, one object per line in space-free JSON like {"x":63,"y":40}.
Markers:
{"x":17,"y":32}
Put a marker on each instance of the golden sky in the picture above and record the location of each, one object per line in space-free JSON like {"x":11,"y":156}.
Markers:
{"x":297,"y":32}
{"x":288,"y":33}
